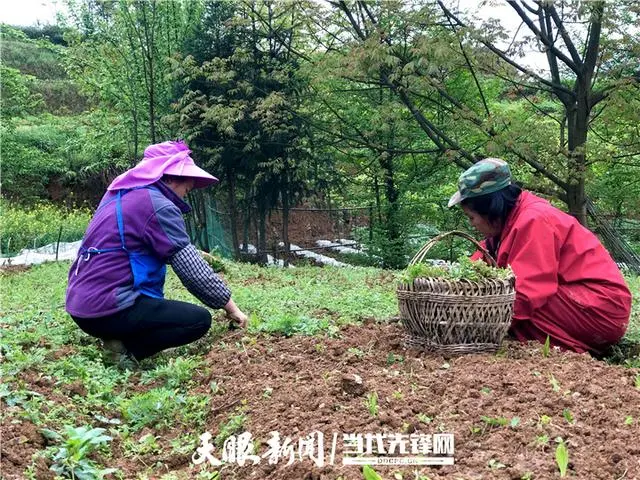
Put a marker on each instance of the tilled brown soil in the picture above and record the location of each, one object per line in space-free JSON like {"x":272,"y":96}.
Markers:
{"x":303,"y":384}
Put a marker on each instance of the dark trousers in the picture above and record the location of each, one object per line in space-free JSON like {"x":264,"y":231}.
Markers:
{"x":150,"y":325}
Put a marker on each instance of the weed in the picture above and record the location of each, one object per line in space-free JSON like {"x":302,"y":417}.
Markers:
{"x":495,"y":421}
{"x":266,"y":393}
{"x":546,"y":348}
{"x":393,"y":358}
{"x":145,"y":445}
{"x":233,"y":425}
{"x":562,"y":456}
{"x":485,"y":390}
{"x":637,"y":381}
{"x":554,"y":383}
{"x":356,"y":352}
{"x":372,"y":403}
{"x":71,"y":456}
{"x":397,"y":395}
{"x":176,"y":372}
{"x":628,"y":420}
{"x":568,"y":416}
{"x":542,"y":441}
{"x":424,"y":418}
{"x":369,"y":473}
{"x":216,"y":387}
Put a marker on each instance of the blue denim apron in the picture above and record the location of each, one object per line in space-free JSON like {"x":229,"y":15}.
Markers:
{"x":148,"y":271}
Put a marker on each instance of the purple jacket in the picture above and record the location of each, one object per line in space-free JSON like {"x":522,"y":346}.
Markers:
{"x":153,"y":224}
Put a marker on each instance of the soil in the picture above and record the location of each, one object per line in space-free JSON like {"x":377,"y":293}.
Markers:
{"x":299,"y":385}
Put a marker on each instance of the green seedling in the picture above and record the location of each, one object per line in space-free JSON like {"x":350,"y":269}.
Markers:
{"x":515,"y":421}
{"x":372,"y":403}
{"x":392,"y":358}
{"x":554,"y":383}
{"x":628,"y":420}
{"x":495,"y":464}
{"x":546,"y":348}
{"x":369,"y":473}
{"x":568,"y":416}
{"x":545,"y":420}
{"x":637,"y":381}
{"x":424,"y":418}
{"x":397,"y":395}
{"x":266,"y":393}
{"x":495,"y":421}
{"x":485,"y":390}
{"x":542,"y":441}
{"x":356,"y":352}
{"x":562,"y":456}
{"x":216,"y":387}
{"x":232,"y":426}
{"x":76,"y":444}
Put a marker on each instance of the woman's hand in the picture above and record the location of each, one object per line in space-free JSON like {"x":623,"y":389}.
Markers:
{"x":237,"y":317}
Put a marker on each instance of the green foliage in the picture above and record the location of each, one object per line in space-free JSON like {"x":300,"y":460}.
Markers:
{"x":163,"y":407}
{"x":562,"y":456}
{"x":71,"y":455}
{"x":233,"y":425}
{"x":465,"y":268}
{"x":39,"y":225}
{"x":372,"y":403}
{"x":369,"y":473}
{"x":546,"y":348}
{"x":175,"y":373}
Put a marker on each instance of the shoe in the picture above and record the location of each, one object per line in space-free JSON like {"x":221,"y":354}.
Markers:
{"x":116,"y":353}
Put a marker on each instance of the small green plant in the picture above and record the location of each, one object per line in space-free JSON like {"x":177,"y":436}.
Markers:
{"x":369,"y":473}
{"x":562,"y":456}
{"x":147,"y":444}
{"x":542,"y":441}
{"x":546,"y":348}
{"x":568,"y":416}
{"x":397,"y":395}
{"x":176,"y":372}
{"x":495,"y":464}
{"x":233,"y":425}
{"x":356,"y":352}
{"x":216,"y":387}
{"x":637,"y":381}
{"x":554,"y":383}
{"x":267,"y":392}
{"x":545,"y":420}
{"x":393,"y":358}
{"x":424,"y":418}
{"x":485,"y":390}
{"x":495,"y":421}
{"x":372,"y":403}
{"x":628,"y":420}
{"x":71,"y":460}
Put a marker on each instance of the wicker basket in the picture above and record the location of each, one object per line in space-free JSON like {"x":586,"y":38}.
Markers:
{"x":453,"y":317}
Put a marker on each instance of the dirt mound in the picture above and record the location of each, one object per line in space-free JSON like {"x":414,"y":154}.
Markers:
{"x":301,"y":384}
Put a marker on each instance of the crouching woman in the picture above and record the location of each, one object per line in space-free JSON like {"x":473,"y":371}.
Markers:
{"x":115,"y":286}
{"x":567,"y":285}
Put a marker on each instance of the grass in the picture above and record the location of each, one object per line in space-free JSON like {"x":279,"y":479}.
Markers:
{"x":42,"y":346}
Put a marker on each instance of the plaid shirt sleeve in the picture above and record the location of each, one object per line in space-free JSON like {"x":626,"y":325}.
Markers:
{"x":198,"y":277}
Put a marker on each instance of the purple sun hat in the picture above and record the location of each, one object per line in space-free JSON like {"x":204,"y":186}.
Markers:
{"x":166,"y":158}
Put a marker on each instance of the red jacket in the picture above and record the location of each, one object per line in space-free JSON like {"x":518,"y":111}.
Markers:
{"x":549,"y":250}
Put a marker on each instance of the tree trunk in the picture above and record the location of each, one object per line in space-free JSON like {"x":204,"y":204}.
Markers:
{"x":233,"y":211}
{"x":285,"y":224}
{"x":262,"y":234}
{"x":578,"y":124}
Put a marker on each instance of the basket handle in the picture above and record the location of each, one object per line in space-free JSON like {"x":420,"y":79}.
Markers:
{"x":425,"y":249}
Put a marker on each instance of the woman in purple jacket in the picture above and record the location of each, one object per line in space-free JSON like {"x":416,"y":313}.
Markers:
{"x":115,"y":289}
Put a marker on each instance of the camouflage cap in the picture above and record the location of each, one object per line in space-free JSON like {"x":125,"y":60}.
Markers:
{"x":486,"y":176}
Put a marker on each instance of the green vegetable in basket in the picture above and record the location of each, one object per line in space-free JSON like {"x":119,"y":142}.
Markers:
{"x":464,"y":268}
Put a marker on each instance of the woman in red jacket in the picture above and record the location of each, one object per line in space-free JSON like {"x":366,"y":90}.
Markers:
{"x":567,"y":285}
